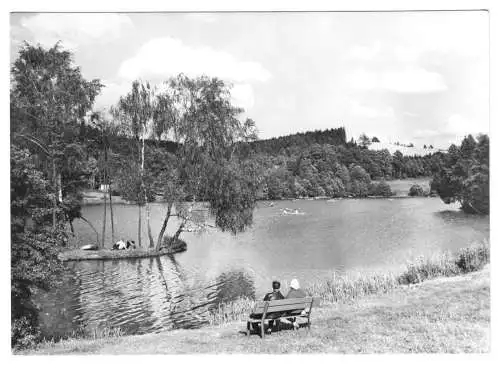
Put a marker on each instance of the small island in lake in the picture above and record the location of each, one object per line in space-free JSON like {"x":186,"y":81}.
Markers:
{"x":104,"y":254}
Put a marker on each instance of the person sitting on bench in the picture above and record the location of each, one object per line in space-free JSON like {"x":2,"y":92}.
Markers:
{"x":273,"y":295}
{"x":295,"y":292}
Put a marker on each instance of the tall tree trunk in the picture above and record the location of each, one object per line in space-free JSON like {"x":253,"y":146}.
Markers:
{"x":177,"y":233}
{"x":93,"y":228}
{"x":106,"y":173}
{"x":54,"y":208}
{"x":59,"y":188}
{"x":150,"y":234}
{"x":164,"y":226}
{"x":112,"y":217}
{"x":148,"y":210}
{"x":139,"y":228}
{"x":104,"y":215}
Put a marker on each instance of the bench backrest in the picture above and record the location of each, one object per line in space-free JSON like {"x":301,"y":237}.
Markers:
{"x":284,"y":305}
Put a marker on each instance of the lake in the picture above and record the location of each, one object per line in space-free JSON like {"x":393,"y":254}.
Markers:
{"x":347,"y":235}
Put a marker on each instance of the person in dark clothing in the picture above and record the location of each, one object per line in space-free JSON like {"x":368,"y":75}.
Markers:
{"x":273,"y":295}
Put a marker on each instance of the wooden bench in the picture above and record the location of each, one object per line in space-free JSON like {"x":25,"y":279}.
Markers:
{"x":276,"y":309}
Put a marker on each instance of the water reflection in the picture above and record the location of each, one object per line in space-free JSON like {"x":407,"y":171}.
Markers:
{"x":138,"y":296}
{"x":233,"y":285}
{"x":146,"y":295}
{"x":452,"y":216}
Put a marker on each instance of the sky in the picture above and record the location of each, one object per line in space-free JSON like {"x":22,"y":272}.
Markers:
{"x":420,"y":77}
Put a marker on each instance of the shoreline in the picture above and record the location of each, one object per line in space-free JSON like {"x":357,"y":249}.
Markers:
{"x":392,"y":322}
{"x":95,"y":197}
{"x":89,"y":201}
{"x":334,"y":293}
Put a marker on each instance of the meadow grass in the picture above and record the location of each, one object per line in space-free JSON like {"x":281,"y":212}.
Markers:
{"x":444,"y":315}
{"x":73,"y":341}
{"x":344,"y":288}
{"x":339,"y":289}
{"x":446,"y":264}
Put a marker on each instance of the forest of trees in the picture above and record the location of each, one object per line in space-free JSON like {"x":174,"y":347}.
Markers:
{"x":185,"y":145}
{"x":303,"y":165}
{"x":61,"y":146}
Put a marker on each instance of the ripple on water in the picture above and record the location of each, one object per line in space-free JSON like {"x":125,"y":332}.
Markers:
{"x":148,"y":295}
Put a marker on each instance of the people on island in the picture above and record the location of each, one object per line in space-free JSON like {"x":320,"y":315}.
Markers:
{"x":122,"y":245}
{"x":295,"y":292}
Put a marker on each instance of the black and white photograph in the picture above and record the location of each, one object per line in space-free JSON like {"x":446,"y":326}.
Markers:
{"x":249,"y":182}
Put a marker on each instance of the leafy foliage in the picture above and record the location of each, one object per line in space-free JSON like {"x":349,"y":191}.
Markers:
{"x":464,"y":178}
{"x":416,"y":191}
{"x":34,"y":242}
{"x":380,"y":189}
{"x":49,"y":167}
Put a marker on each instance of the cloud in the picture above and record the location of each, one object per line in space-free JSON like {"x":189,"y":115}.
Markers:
{"x":163,"y":57}
{"x":461,"y":126}
{"x":408,"y":80}
{"x":75,"y":29}
{"x":243,"y":96}
{"x":111,"y":93}
{"x":364,"y":53}
{"x":359,"y":110}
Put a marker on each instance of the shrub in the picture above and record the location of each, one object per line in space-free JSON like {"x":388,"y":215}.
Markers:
{"x":466,"y":260}
{"x":380,"y":189}
{"x":473,"y":259}
{"x":416,"y":191}
{"x":423,"y":269}
{"x":23,"y":334}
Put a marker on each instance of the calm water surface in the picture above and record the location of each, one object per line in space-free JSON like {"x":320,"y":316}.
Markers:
{"x":146,"y":295}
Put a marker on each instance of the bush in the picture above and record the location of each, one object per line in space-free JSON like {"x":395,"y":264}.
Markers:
{"x":380,"y":189}
{"x":466,"y":260}
{"x":423,"y":269}
{"x":416,"y":191}
{"x":472,"y":259}
{"x":23,"y":334}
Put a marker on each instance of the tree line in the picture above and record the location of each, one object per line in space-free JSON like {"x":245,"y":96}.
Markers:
{"x":59,"y":144}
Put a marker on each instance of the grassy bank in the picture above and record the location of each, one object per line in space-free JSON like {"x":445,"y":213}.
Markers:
{"x":444,"y":315}
{"x":440,"y":304}
{"x":342,"y":288}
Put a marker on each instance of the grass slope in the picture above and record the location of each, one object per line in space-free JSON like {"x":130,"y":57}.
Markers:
{"x":444,"y":315}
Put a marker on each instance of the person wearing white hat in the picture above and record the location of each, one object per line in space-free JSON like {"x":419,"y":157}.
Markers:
{"x":295,"y":292}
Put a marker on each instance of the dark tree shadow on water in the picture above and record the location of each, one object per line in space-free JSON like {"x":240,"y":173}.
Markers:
{"x":457,"y":215}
